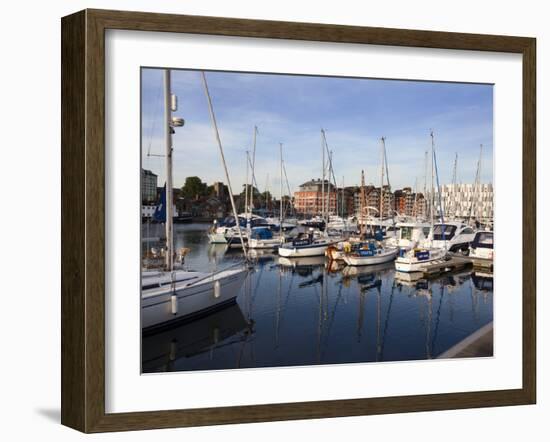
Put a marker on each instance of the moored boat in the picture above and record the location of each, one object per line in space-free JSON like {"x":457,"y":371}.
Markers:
{"x":369,"y":254}
{"x":305,"y":245}
{"x":169,"y":297}
{"x":262,"y":238}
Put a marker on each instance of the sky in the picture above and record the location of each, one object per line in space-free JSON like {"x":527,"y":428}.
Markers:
{"x":354,"y":112}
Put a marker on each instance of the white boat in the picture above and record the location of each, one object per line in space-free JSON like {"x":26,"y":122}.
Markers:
{"x":308,"y":261}
{"x":482,"y":246}
{"x":370,"y":254}
{"x":341,"y":224}
{"x":415,"y":260}
{"x":262,"y":238}
{"x":453,"y":236}
{"x":305,"y":245}
{"x":410,"y":234}
{"x":168,"y":297}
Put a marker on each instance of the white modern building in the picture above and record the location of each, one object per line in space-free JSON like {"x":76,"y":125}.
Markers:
{"x":468,"y":201}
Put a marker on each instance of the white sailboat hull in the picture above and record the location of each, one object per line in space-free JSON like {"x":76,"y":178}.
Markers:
{"x":191,"y":299}
{"x":408,"y":264}
{"x":381,"y":258}
{"x":288,"y":251}
{"x":264,"y":243}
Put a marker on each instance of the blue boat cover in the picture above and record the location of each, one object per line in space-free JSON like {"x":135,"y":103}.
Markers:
{"x":261,"y":233}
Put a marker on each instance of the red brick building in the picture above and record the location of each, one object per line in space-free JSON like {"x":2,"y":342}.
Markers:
{"x":308,"y":199}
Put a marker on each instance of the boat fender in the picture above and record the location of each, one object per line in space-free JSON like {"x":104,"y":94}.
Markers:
{"x":174,"y":303}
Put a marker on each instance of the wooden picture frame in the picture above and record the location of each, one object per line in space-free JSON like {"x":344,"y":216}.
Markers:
{"x":83,"y":219}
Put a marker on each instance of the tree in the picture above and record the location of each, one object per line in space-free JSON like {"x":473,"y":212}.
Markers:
{"x":194,"y":188}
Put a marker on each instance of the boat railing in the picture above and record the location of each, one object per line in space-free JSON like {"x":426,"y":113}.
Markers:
{"x":238,"y":264}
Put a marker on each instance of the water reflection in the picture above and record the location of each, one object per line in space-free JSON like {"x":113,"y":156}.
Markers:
{"x":303,"y":312}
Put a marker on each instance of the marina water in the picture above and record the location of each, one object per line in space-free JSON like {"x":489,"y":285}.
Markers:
{"x":293,"y":312}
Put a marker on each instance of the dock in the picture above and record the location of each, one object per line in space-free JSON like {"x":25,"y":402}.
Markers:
{"x":479,"y":344}
{"x":456,"y":263}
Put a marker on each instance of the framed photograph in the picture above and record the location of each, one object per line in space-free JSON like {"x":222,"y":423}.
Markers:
{"x":269,"y":220}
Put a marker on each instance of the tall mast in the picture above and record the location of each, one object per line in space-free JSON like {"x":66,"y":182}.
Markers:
{"x":477,"y":183}
{"x":220,"y":147}
{"x":281,"y":191}
{"x":432,"y":191}
{"x":362,"y":205}
{"x":253,"y":166}
{"x":168,"y":151}
{"x":343,"y":197}
{"x":323,"y":175}
{"x":381,"y":180}
{"x":479,"y":179}
{"x":454,"y":168}
{"x":453,"y":188}
{"x":246,"y":189}
{"x":425,"y":211}
{"x":330,"y":174}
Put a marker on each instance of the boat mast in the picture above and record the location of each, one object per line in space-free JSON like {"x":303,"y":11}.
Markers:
{"x":476,"y":184}
{"x":432,"y":193}
{"x":362,"y":205}
{"x":342,"y":200}
{"x":382,"y":180}
{"x":253,"y":166}
{"x":281,"y":190}
{"x":426,"y":208}
{"x":169,"y":189}
{"x":246,"y":189}
{"x":217,"y":133}
{"x":453,"y":205}
{"x":323,"y":175}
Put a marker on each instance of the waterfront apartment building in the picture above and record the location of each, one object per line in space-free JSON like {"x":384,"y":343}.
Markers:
{"x":468,"y":201}
{"x":308,"y":199}
{"x":148,"y":187}
{"x":401,"y":202}
{"x":372,"y":201}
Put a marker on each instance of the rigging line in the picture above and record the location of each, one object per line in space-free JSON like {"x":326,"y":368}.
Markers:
{"x":330,"y":166}
{"x":254,"y":182}
{"x":215,"y":124}
{"x":154,"y":121}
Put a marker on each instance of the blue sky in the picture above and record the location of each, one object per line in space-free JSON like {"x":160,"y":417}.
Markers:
{"x":291,"y":109}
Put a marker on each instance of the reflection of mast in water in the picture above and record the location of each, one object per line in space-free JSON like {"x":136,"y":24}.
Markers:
{"x":429,"y":324}
{"x":438,"y":316}
{"x":278,"y":312}
{"x":332,"y":315}
{"x":387,"y":320}
{"x":474,"y":299}
{"x":378,"y":308}
{"x":361,"y":316}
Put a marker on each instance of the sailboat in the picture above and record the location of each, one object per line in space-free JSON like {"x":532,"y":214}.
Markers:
{"x":373,"y":251}
{"x":171,"y":294}
{"x":415,"y":259}
{"x":312,"y":242}
{"x":262,"y":238}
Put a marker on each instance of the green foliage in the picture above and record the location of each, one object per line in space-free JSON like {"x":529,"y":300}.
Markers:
{"x":194,"y":188}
